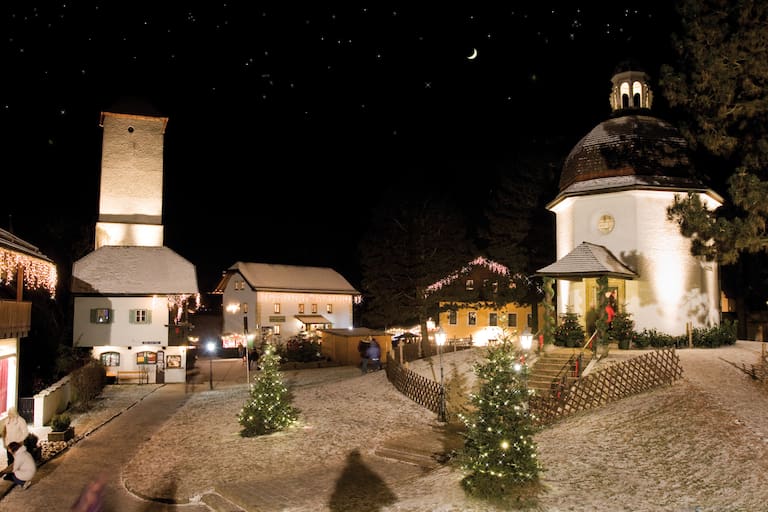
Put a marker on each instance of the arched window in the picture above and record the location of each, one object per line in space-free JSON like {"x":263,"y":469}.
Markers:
{"x":637,"y":89}
{"x":624,"y":95}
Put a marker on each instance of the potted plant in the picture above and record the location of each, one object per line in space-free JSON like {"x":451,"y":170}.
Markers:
{"x":570,"y":332}
{"x":623,"y":329}
{"x":61,"y":428}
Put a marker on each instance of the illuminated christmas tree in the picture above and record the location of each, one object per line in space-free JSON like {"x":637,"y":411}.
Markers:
{"x":499,"y":455}
{"x":268,"y":409}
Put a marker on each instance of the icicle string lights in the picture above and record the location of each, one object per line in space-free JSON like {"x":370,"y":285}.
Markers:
{"x":38,"y":273}
{"x":498,"y":268}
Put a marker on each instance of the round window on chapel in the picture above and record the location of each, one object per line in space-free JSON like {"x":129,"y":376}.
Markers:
{"x":605,"y":224}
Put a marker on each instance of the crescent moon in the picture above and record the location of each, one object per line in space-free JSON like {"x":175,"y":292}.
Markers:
{"x":474,"y":54}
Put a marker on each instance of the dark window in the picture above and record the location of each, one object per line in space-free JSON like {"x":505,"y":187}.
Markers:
{"x":101,"y":316}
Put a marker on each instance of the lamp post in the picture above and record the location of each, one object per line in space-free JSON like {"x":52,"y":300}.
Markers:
{"x":211,"y":347}
{"x":245,"y":340}
{"x":440,"y":340}
{"x":526,"y":340}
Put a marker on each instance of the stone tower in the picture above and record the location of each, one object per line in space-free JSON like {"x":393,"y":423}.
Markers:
{"x":131,"y":191}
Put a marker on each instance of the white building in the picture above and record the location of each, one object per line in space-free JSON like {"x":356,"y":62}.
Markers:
{"x":261,"y":299}
{"x":615,"y":187}
{"x":131,"y":294}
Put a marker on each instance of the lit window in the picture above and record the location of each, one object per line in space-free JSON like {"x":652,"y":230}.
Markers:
{"x":101,"y":316}
{"x":470,"y":284}
{"x":329,"y":308}
{"x":276,"y":329}
{"x":110,"y":359}
{"x":146,"y":357}
{"x":301,"y":309}
{"x":277,"y":307}
{"x":472,"y":318}
{"x":314,"y":309}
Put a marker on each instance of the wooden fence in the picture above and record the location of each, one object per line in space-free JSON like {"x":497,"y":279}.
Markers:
{"x":620,"y":380}
{"x":418,"y":388}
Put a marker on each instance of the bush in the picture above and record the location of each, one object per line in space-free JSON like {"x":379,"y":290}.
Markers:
{"x":88,"y":382}
{"x":60,"y":422}
{"x":301,"y":350}
{"x":570,"y":332}
{"x":717,"y":336}
{"x":622,"y":327}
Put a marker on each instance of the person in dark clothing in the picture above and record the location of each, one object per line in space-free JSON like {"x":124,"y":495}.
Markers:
{"x":253,"y":359}
{"x":363,"y":347}
{"x":374,"y":354}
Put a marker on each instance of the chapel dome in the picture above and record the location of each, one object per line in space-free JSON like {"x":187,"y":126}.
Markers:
{"x":630,"y":145}
{"x":633,"y":148}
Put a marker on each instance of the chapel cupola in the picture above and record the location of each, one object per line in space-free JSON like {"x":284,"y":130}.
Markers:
{"x":630,"y":89}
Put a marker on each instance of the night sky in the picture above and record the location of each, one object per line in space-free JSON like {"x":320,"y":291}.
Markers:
{"x":286,"y":123}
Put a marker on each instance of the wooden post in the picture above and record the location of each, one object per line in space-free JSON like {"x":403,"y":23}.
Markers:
{"x":19,"y":283}
{"x":689,"y":328}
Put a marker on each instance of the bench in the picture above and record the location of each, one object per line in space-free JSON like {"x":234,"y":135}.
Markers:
{"x":141,"y":376}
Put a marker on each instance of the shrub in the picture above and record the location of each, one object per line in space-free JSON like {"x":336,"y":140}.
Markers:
{"x":301,"y":350}
{"x":88,"y":382}
{"x":622,"y":327}
{"x":570,"y":332}
{"x":60,"y":422}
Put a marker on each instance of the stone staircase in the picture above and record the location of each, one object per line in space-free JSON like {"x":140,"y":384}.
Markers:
{"x":551,"y":365}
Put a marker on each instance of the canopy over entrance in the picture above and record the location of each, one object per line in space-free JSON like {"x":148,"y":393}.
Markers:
{"x":587,"y":260}
{"x":312,"y":319}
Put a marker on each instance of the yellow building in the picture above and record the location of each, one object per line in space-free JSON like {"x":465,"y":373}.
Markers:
{"x":490,"y":315}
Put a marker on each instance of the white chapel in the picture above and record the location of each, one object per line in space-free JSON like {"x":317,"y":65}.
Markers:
{"x":611,"y":219}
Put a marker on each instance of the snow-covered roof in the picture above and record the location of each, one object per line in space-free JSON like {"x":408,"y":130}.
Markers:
{"x":587,"y":260}
{"x":268,"y":276}
{"x":134,"y":270}
{"x":13,"y":243}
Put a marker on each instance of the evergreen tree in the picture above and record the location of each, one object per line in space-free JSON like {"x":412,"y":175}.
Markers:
{"x":499,"y":453}
{"x":516,"y":229}
{"x":413,"y":242}
{"x":718,"y":85}
{"x":268,"y":409}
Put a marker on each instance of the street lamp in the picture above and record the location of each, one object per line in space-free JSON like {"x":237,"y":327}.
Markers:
{"x":211,"y":347}
{"x":526,"y":340}
{"x":440,"y":340}
{"x":245,"y":340}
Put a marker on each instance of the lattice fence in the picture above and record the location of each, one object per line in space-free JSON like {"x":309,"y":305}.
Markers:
{"x":418,"y":388}
{"x":620,"y":380}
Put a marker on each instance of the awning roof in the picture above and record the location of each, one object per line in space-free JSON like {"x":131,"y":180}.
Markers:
{"x":312,"y":319}
{"x":587,"y":260}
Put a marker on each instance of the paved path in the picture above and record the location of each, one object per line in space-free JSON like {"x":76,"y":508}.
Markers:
{"x":102,"y":454}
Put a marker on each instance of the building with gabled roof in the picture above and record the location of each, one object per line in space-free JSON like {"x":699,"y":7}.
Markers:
{"x":489,"y":317}
{"x":282,"y":301}
{"x":132,"y":295}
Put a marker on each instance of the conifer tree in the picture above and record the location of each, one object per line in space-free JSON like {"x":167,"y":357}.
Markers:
{"x":718,"y":84}
{"x":268,"y":409}
{"x":499,"y":454}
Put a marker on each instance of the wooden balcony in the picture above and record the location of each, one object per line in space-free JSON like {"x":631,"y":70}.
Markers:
{"x":15,"y":319}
